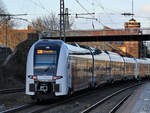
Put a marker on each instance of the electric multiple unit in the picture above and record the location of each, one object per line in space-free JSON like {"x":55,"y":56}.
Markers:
{"x":55,"y":68}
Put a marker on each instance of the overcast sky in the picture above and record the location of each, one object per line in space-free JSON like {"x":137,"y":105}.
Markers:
{"x":108,"y":12}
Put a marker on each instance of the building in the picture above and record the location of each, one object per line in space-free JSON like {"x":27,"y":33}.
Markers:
{"x":12,"y":37}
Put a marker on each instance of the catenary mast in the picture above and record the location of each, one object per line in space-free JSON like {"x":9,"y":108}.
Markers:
{"x":62,"y":20}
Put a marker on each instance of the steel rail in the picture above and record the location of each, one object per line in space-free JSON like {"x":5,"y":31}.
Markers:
{"x":45,"y":108}
{"x":13,"y":90}
{"x":119,"y":104}
{"x":19,"y":108}
{"x":107,"y":98}
{"x":40,"y":110}
{"x":73,"y":98}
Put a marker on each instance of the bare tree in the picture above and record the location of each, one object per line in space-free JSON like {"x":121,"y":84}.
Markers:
{"x":3,"y":19}
{"x":2,"y":11}
{"x":47,"y":23}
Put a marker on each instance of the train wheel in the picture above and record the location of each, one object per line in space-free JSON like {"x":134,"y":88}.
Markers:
{"x":32,"y":97}
{"x":70,"y":92}
{"x":95,"y":85}
{"x":112,"y":81}
{"x":38,"y":101}
{"x":90,"y":86}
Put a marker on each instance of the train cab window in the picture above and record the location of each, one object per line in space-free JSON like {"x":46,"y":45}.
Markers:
{"x":45,"y":62}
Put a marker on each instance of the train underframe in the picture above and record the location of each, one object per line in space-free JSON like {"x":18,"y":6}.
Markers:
{"x":44,"y":90}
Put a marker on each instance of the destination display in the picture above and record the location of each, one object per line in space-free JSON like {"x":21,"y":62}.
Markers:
{"x":45,"y":51}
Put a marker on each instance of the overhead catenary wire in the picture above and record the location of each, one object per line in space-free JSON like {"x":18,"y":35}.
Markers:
{"x":132,"y":9}
{"x":39,"y":5}
{"x":43,"y":6}
{"x":88,"y":12}
{"x":26,"y":20}
{"x":100,"y":23}
{"x":10,"y":16}
{"x":113,"y":12}
{"x":103,"y":8}
{"x":142,"y":17}
{"x":82,"y":7}
{"x":94,"y":14}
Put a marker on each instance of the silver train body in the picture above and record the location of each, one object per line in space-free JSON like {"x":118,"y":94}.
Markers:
{"x":55,"y":68}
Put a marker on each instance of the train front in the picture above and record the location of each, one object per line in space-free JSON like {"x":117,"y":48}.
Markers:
{"x":46,"y":69}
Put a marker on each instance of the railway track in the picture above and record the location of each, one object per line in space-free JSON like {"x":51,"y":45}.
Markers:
{"x":95,"y":107}
{"x":19,"y":108}
{"x":114,"y":109}
{"x":13,"y":90}
{"x":34,"y":108}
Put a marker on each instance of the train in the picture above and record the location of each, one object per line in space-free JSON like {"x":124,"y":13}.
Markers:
{"x":55,"y":68}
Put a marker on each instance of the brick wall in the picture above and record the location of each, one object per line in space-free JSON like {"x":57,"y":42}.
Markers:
{"x":14,"y":37}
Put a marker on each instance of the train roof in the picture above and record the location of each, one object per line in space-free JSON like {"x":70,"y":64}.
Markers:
{"x":143,"y":61}
{"x":103,"y":56}
{"x":99,"y":54}
{"x":147,"y":60}
{"x":76,"y":48}
{"x":129,"y":60}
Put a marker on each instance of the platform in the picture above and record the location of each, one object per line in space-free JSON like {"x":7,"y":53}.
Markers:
{"x":139,"y":102}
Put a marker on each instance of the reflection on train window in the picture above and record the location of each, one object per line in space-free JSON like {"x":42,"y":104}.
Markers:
{"x":45,"y":60}
{"x":45,"y":64}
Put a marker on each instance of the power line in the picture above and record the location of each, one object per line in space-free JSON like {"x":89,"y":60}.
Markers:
{"x":99,"y":4}
{"x":94,"y":14}
{"x":10,"y":15}
{"x":82,"y":6}
{"x":40,"y":5}
{"x":132,"y":9}
{"x":100,"y":23}
{"x":86,"y":18}
{"x":142,"y":17}
{"x":26,"y":20}
{"x":88,"y":13}
{"x":43,"y":6}
{"x":102,"y":7}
